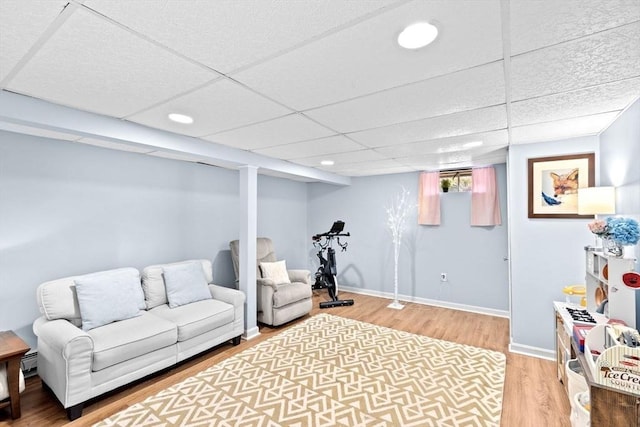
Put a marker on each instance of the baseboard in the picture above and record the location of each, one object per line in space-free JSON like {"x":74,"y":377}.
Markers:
{"x":250,"y":334}
{"x":527,"y":350}
{"x":426,"y":301}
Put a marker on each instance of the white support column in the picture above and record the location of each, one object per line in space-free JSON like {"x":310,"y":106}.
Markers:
{"x":248,"y":234}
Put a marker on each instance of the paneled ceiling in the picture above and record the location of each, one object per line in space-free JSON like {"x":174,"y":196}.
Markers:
{"x":312,"y":80}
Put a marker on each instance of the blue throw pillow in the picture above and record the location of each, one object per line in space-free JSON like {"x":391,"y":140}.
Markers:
{"x":108,"y":297}
{"x":185,"y":283}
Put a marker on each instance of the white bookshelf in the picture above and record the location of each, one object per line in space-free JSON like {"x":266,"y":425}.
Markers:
{"x":624,"y":302}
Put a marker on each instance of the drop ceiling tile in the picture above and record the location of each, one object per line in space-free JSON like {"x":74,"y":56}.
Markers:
{"x":377,"y":171}
{"x":219,"y":106}
{"x":96,"y":66}
{"x":535,"y":24}
{"x":21,"y":25}
{"x":283,"y":130}
{"x":445,"y":145}
{"x":447,"y":160}
{"x":582,"y":102}
{"x":493,"y":158}
{"x":132,"y":148}
{"x":366,"y":58}
{"x":448,"y":125}
{"x":316,"y":147}
{"x":562,"y":129}
{"x":601,"y":58}
{"x":349,"y":158}
{"x":437,"y":162}
{"x":204,"y":30}
{"x":362,"y":168}
{"x":465,"y":90}
{"x":29,"y":130}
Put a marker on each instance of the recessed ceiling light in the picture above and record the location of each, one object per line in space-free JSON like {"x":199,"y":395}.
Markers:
{"x":472,"y":144}
{"x":181,"y":118}
{"x":327,"y":163}
{"x":417,"y":35}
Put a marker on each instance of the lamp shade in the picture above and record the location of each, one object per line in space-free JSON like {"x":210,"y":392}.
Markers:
{"x":596,"y":200}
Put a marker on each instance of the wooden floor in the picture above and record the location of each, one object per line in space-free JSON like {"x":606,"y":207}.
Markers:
{"x":532,"y":394}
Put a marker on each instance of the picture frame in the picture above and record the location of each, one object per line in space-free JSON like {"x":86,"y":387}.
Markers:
{"x":553,"y":184}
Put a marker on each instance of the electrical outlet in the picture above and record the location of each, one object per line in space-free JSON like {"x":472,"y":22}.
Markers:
{"x":443,"y":277}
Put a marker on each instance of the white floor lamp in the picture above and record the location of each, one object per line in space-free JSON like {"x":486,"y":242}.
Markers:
{"x":396,"y":218}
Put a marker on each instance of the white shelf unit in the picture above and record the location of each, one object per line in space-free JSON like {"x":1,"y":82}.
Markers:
{"x":624,"y":302}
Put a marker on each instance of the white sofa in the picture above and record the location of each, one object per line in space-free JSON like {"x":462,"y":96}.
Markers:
{"x":79,"y":359}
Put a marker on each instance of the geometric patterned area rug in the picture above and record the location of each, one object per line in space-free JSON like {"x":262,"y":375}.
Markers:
{"x":333,"y":371}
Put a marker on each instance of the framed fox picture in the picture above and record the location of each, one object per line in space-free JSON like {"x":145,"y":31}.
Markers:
{"x":553,"y":184}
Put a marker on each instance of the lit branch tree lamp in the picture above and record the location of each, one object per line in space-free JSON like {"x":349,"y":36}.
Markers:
{"x":396,"y":217}
{"x":597,"y":201}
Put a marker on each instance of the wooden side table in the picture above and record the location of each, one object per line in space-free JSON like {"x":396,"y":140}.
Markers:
{"x":12,"y":348}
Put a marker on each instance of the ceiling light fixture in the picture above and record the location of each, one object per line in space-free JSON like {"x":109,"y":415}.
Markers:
{"x":327,"y":163}
{"x":417,"y":35}
{"x":181,"y":118}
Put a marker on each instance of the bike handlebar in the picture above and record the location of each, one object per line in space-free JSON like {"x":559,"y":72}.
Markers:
{"x":329,"y":235}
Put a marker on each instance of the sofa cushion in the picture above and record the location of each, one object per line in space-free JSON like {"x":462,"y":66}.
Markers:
{"x":121,"y":341}
{"x":276,"y":271}
{"x":108,"y":296}
{"x":185,"y":283}
{"x":155,"y":293}
{"x":292,"y":292}
{"x":57,"y":299}
{"x":196,"y":318}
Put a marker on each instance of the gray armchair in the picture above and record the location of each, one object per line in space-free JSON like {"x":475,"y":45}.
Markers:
{"x":278,"y":302}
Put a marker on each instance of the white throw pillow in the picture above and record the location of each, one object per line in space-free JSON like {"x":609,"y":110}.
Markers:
{"x":108,"y":297}
{"x":185,"y":283}
{"x":276,"y":271}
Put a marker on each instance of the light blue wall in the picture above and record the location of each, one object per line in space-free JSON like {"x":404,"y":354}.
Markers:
{"x":619,"y":157}
{"x":68,"y":208}
{"x":471,"y":256}
{"x":546,"y":254}
{"x":282,"y":216}
{"x":620,"y":163}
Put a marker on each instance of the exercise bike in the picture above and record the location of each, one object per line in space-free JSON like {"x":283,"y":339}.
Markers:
{"x":326,"y":276}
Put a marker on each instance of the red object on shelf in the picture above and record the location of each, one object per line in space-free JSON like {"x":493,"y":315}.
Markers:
{"x":579,"y":333}
{"x":631,"y":279}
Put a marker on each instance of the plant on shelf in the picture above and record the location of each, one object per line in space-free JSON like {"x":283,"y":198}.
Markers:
{"x":616,"y":232}
{"x":623,"y":230}
{"x":445,"y":184}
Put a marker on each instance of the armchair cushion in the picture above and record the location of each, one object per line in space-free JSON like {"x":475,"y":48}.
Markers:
{"x":108,"y":297}
{"x":276,"y":271}
{"x":303,"y":276}
{"x":185,"y":284}
{"x":291,"y":292}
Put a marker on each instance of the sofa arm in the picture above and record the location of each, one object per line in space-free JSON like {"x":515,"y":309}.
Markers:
{"x":65,"y":353}
{"x":235,"y":298}
{"x":228,"y":295}
{"x":303,"y":276}
{"x":62,"y":336}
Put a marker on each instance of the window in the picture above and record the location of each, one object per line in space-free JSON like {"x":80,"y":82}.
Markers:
{"x":459,"y":179}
